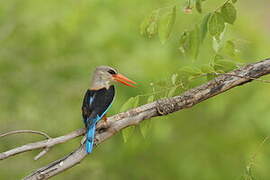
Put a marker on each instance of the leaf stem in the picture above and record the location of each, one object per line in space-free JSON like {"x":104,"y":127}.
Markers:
{"x":221,"y":5}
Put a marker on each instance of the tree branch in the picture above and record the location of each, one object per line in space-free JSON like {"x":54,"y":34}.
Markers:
{"x":42,"y":144}
{"x":134,"y":116}
{"x":42,"y":153}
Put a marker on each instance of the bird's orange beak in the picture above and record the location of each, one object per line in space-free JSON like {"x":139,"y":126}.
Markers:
{"x":124,"y":80}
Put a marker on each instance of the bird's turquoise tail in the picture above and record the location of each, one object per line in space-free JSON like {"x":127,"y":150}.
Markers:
{"x":90,"y":138}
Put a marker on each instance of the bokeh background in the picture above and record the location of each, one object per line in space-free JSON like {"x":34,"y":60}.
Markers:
{"x":48,"y":50}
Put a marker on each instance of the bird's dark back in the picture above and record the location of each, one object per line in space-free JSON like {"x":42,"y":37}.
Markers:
{"x":96,"y":103}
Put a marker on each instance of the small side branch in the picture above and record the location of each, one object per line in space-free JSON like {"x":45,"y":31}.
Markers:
{"x":46,"y":144}
{"x":42,"y":153}
{"x":25,"y":131}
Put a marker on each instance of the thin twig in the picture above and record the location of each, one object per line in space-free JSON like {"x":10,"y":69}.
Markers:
{"x":253,"y":157}
{"x":161,"y":91}
{"x":228,"y":74}
{"x":42,"y":153}
{"x":41,"y":144}
{"x":25,"y":131}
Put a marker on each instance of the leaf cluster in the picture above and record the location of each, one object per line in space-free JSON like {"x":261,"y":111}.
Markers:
{"x":159,"y":21}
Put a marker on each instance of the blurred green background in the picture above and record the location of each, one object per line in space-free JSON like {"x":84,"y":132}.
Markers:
{"x":48,"y":50}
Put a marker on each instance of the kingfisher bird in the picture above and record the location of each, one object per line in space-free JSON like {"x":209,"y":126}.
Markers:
{"x":98,"y":99}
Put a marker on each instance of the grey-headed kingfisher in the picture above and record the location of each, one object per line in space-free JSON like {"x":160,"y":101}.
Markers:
{"x":98,"y":99}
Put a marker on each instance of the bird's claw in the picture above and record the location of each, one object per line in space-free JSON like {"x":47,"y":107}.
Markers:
{"x":95,"y":142}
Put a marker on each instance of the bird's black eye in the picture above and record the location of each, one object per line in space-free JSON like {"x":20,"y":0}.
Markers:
{"x":111,"y":71}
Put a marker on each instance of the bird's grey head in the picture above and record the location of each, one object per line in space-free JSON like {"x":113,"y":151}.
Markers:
{"x":103,"y":77}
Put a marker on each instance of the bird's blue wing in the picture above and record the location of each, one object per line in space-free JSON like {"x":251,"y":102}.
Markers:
{"x":95,"y":105}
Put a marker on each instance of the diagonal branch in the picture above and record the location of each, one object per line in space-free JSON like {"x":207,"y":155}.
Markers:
{"x":161,"y":107}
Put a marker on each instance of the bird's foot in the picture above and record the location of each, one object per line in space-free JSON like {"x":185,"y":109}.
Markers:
{"x":104,"y":118}
{"x":96,"y":142}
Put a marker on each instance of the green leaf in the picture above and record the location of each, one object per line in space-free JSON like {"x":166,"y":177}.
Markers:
{"x":146,"y":125}
{"x":195,"y":41}
{"x":209,"y":77}
{"x":207,"y":69}
{"x":151,"y":29}
{"x":229,"y":49}
{"x":224,"y":65}
{"x":191,"y":71}
{"x":165,"y":25}
{"x":128,"y":104}
{"x":171,"y":91}
{"x":150,"y":99}
{"x":218,"y":57}
{"x":216,"y":44}
{"x":184,"y":42}
{"x":148,"y":26}
{"x":228,"y":12}
{"x":127,"y":133}
{"x":144,"y":25}
{"x":234,"y":1}
{"x":190,"y":42}
{"x":131,"y":103}
{"x":204,"y":26}
{"x":198,"y":5}
{"x":216,"y":24}
{"x":136,"y":101}
{"x":174,"y":77}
